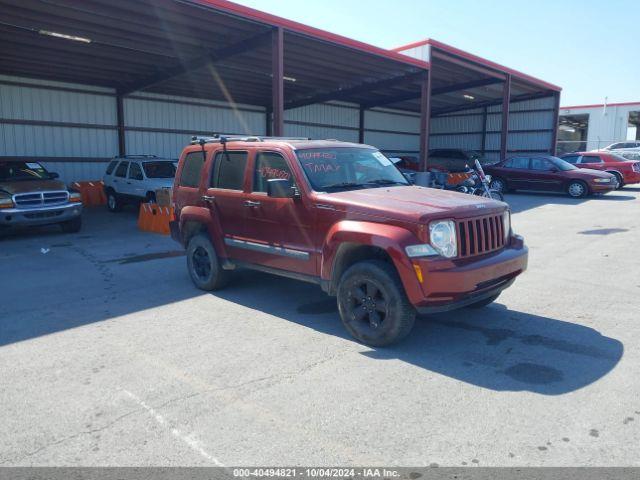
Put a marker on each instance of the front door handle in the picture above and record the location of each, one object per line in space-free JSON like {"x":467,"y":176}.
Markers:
{"x":250,"y":203}
{"x":208,"y":198}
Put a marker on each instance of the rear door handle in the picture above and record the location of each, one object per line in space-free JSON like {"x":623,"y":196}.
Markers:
{"x":208,"y":198}
{"x":249,"y":203}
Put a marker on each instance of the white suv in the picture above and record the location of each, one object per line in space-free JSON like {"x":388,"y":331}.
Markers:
{"x":135,"y":178}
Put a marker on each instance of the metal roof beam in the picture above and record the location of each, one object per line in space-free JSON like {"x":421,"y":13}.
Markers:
{"x":347,"y":93}
{"x":489,"y":103}
{"x":434,"y":91}
{"x":198,"y":62}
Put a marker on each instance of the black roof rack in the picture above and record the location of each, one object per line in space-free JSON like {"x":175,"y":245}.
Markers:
{"x":143,"y":155}
{"x":196,"y":140}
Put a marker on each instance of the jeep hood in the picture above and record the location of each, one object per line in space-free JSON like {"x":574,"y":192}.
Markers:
{"x":28,"y":186}
{"x":411,"y":203}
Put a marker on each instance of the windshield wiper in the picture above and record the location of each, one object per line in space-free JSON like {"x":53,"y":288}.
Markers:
{"x":341,"y":185}
{"x":386,"y":181}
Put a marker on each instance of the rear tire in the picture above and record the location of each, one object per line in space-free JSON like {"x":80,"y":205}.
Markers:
{"x":203,"y":264}
{"x":577,"y":189}
{"x":72,"y":226}
{"x":114,"y":204}
{"x":373,"y":305}
{"x":485,"y":302}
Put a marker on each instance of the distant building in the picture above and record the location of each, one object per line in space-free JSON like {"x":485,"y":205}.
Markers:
{"x":589,"y":127}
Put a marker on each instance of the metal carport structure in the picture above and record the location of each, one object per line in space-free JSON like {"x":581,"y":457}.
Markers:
{"x":156,"y":71}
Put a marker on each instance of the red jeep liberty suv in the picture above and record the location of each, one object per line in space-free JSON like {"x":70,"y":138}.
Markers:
{"x":343,"y":216}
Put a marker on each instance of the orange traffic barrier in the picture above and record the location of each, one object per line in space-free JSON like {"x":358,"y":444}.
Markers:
{"x":155,"y":219}
{"x":92,"y":192}
{"x":457,"y":178}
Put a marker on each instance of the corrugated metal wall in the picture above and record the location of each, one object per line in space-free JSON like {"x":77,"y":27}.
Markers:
{"x":531,"y":125}
{"x":328,"y":120}
{"x":162,"y":124}
{"x":393,"y":132}
{"x":66,"y":122}
{"x":72,"y":128}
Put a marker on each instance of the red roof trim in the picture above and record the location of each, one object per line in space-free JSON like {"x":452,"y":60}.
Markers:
{"x":267,"y":18}
{"x":597,"y":105}
{"x":474,"y":58}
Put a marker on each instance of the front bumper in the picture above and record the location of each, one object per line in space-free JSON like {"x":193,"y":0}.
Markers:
{"x":18,"y":217}
{"x":451,"y":284}
{"x":603,"y":187}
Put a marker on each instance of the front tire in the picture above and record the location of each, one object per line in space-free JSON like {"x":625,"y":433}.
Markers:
{"x":72,"y":226}
{"x":619,"y":179}
{"x":203,"y":264}
{"x":499,"y":185}
{"x":577,"y":189}
{"x":373,"y":305}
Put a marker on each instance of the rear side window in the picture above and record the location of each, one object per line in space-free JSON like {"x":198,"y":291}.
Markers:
{"x":571,"y":158}
{"x":540,"y":164}
{"x":121,"y":171}
{"x":269,"y":166}
{"x":591,"y":159}
{"x":518,"y":162}
{"x":111,"y":167}
{"x":135,"y":172}
{"x":228,"y":170}
{"x":191,"y":169}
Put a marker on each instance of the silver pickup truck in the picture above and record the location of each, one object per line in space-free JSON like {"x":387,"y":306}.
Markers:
{"x":30,"y":195}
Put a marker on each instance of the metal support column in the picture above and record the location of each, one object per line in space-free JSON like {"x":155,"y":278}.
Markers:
{"x":556,"y":120}
{"x":122,"y":146}
{"x":268,"y":130}
{"x":483,"y":146}
{"x":361,"y":125}
{"x":425,"y":119}
{"x":277,"y":67}
{"x":504,"y":135}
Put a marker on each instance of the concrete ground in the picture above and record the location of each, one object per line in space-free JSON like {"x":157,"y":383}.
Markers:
{"x":109,"y":356}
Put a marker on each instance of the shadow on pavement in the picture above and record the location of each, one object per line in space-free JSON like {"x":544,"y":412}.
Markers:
{"x":110,"y":269}
{"x":494,"y":347}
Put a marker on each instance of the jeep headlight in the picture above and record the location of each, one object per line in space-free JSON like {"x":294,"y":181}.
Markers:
{"x":442,"y":236}
{"x":506,"y":222}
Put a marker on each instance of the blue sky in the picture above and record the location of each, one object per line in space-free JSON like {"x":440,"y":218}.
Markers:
{"x":590,"y":48}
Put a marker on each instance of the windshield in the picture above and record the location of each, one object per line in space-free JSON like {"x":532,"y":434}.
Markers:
{"x":562,"y":164}
{"x":159,"y":169}
{"x":10,"y":171}
{"x":344,"y":168}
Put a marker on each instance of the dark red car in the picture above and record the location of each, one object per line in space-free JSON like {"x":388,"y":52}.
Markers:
{"x":548,"y":174}
{"x":625,"y":171}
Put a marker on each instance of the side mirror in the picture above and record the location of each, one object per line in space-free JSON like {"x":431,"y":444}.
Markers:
{"x":53,"y":175}
{"x":281,"y":188}
{"x":554,"y":170}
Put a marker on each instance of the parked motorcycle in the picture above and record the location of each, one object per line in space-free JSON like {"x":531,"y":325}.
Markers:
{"x":476,"y":184}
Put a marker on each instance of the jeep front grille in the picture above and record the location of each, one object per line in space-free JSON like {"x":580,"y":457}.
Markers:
{"x":39,"y":199}
{"x":480,"y":235}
